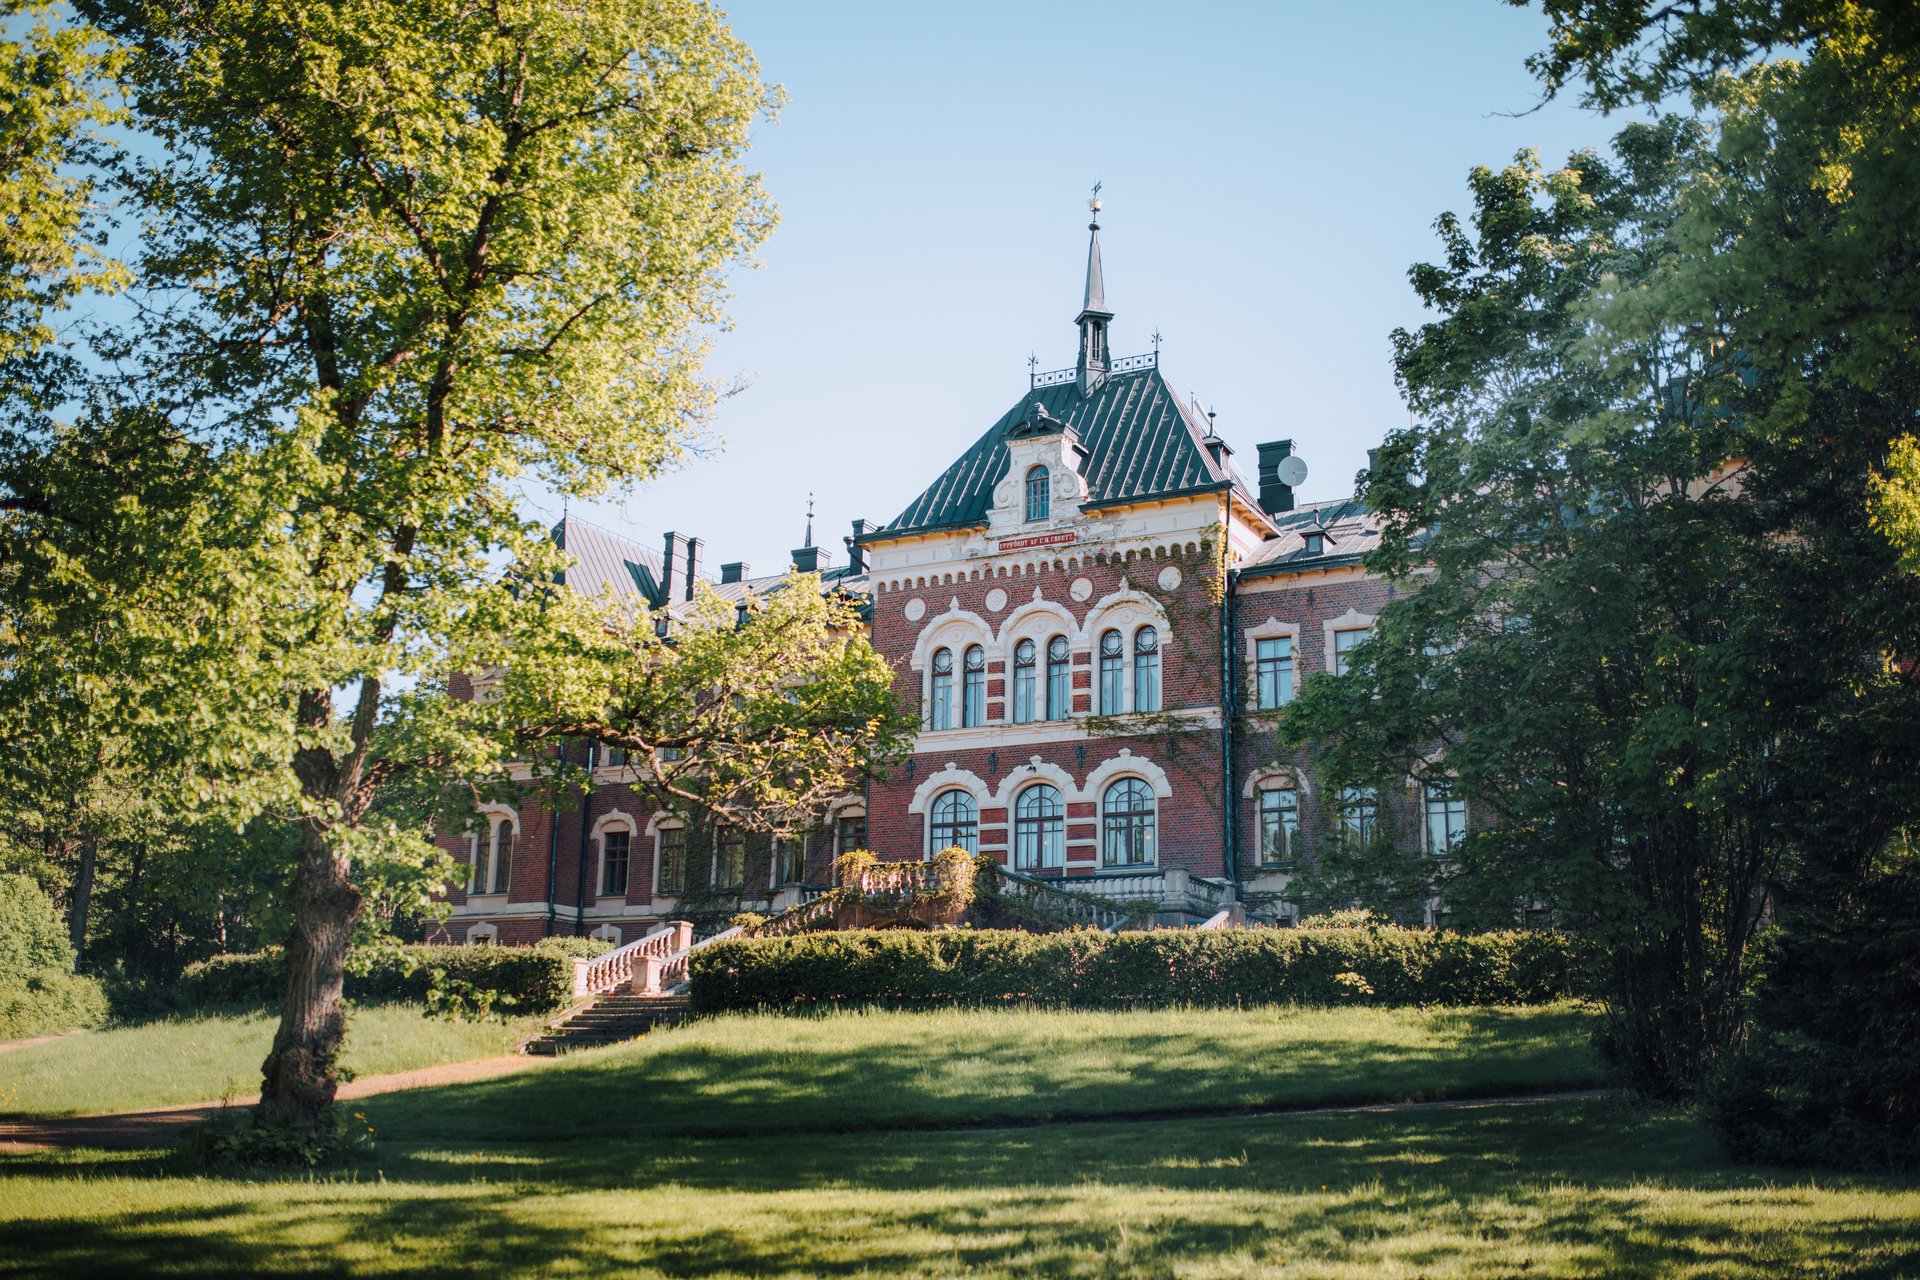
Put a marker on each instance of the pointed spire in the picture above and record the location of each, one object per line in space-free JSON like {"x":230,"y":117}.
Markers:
{"x":1093,"y":317}
{"x":809,"y":538}
{"x":1094,"y":303}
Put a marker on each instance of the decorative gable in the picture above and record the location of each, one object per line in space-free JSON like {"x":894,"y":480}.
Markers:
{"x":1039,"y":441}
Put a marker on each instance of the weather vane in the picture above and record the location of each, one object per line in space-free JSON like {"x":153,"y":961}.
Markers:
{"x":1156,"y":342}
{"x":1093,"y":204}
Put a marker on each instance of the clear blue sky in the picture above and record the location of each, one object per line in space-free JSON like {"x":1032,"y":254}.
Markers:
{"x":1270,"y":170}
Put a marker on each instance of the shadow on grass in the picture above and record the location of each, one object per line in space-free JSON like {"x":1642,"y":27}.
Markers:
{"x":774,"y":1075}
{"x":1590,"y":1187}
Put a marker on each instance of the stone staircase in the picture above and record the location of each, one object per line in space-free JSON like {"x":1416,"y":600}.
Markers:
{"x":611,"y":1019}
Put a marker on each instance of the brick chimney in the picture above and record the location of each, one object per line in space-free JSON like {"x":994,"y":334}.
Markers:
{"x":1275,"y":495}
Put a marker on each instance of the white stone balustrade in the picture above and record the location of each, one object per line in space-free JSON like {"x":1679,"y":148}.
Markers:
{"x":635,"y":966}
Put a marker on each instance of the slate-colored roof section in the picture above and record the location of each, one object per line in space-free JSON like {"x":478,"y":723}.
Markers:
{"x":606,"y":561}
{"x":1141,"y":440}
{"x":1350,"y":529}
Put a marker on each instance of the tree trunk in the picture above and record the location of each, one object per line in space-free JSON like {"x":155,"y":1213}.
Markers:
{"x":301,"y":1073}
{"x":82,"y":894}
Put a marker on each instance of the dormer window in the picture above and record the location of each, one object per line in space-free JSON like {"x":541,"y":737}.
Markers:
{"x":1316,"y":543}
{"x":1039,"y":494}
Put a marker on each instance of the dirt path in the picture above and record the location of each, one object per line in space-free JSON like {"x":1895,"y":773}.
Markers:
{"x":157,"y":1126}
{"x":58,"y":1035}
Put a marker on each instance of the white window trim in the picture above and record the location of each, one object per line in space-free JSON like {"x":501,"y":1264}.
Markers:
{"x":1099,"y":783}
{"x":1351,"y":620}
{"x":617,"y":820}
{"x":1126,"y":611}
{"x":607,"y":933}
{"x":1271,"y":629}
{"x":927,"y":849}
{"x":494,"y":814}
{"x":487,"y":932}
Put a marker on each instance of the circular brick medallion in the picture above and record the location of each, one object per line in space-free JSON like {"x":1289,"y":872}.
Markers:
{"x":1169,"y":578}
{"x":916,"y":609}
{"x":1082,"y":589}
{"x":996,"y":600}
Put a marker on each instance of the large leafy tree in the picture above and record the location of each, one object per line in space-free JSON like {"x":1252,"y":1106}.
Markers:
{"x":1805,"y":233}
{"x":399,"y":259}
{"x":1576,"y":654}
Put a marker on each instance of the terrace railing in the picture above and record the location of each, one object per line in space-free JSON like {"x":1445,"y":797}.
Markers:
{"x":619,"y":968}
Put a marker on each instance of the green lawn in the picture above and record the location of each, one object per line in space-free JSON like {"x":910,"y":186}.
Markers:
{"x":209,"y":1057}
{"x":762,"y":1073}
{"x":759,"y":1146}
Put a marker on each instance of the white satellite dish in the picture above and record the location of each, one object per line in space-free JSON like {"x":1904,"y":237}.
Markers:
{"x":1293,"y":470}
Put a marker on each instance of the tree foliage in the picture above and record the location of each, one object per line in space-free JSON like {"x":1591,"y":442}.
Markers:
{"x":443,"y":250}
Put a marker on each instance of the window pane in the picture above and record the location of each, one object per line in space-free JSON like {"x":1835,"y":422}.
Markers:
{"x":1344,"y":643}
{"x":1057,"y":678}
{"x":614,"y":850}
{"x":955,"y":823}
{"x":1279,"y":825}
{"x":1146,"y":669}
{"x":973,"y":707}
{"x":1039,"y":830}
{"x":940,"y":712}
{"x":1025,"y":661}
{"x":503,"y":856}
{"x":1112,"y":694}
{"x":1273,"y":672}
{"x":1359,"y":813}
{"x":1039,"y":498}
{"x":1127,"y":824}
{"x":730,"y":859}
{"x":1446,"y":820}
{"x":673,"y":859}
{"x":853,"y":833}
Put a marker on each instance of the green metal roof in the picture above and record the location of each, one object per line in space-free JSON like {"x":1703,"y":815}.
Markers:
{"x":1141,"y":442}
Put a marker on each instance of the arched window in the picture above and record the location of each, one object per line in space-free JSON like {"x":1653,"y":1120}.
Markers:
{"x":1039,"y":830}
{"x":1112,"y":665}
{"x":1359,"y":814}
{"x":955,"y":823}
{"x":1039,"y":494}
{"x":502,"y":873}
{"x":1058,"y":679}
{"x":973,"y":688}
{"x":671,"y":860}
{"x":1127,"y":823}
{"x":940,"y":707}
{"x":1026,"y":657}
{"x":616,"y":848}
{"x":1279,"y":824}
{"x":1146,"y":669}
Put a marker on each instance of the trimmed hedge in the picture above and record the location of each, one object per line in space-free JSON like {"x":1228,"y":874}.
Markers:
{"x":1085,"y":969}
{"x":535,"y":979}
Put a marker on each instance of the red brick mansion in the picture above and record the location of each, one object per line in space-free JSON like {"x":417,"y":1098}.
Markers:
{"x":1096,"y":614}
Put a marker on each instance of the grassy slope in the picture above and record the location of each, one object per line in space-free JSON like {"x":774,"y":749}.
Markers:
{"x":589,"y":1168}
{"x":762,"y":1073}
{"x":208,"y":1057}
{"x":1573,"y":1188}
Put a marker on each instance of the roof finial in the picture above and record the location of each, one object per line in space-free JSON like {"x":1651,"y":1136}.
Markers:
{"x":1093,"y":317}
{"x":809,"y":538}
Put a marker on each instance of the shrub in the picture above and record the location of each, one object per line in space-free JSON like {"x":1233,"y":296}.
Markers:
{"x":39,"y":992}
{"x":1830,"y":1072}
{"x":1085,"y":969}
{"x":535,"y":979}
